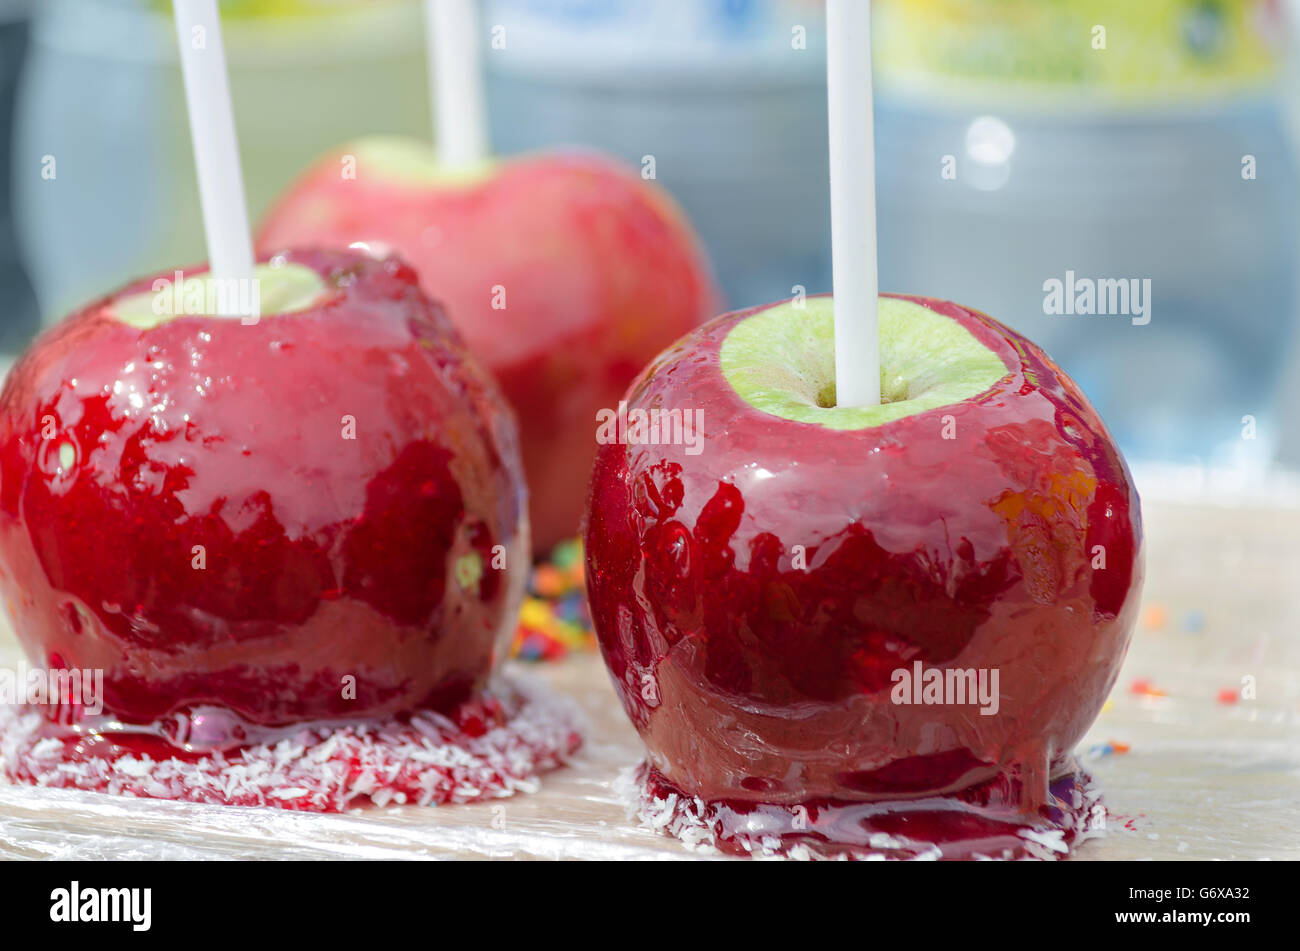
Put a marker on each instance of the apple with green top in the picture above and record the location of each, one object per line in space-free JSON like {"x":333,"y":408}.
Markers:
{"x":317,"y":515}
{"x":773,"y":606}
{"x":565,"y":273}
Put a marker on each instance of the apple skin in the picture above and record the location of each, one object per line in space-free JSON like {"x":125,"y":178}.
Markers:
{"x":601,"y":271}
{"x":325,"y":557}
{"x":751,"y":680}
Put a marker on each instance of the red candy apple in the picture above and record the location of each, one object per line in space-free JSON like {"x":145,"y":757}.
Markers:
{"x":302,"y":518}
{"x":565,"y":273}
{"x":765,"y":596}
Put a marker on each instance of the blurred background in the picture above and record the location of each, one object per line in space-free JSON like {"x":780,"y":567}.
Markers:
{"x":1012,"y":149}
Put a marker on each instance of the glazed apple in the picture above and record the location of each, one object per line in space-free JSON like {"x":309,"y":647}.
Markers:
{"x":565,"y":273}
{"x":318,"y":515}
{"x":765,"y":597}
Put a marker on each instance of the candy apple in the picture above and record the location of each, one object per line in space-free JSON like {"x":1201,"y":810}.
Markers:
{"x":565,"y":273}
{"x":317,"y":515}
{"x":764,"y":596}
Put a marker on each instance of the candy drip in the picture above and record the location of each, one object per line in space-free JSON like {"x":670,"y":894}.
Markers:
{"x":973,"y":824}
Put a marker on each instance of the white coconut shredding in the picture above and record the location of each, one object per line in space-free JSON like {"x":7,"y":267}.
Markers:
{"x":424,"y":760}
{"x":688,"y":819}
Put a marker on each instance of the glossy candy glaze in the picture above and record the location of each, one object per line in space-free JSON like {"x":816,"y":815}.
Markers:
{"x":752,"y":680}
{"x":324,"y":557}
{"x":566,"y":274}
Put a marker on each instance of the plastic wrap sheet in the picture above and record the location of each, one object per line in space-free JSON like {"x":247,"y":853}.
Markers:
{"x":1189,"y":768}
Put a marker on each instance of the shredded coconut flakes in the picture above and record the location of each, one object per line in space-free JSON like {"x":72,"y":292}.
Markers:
{"x":427,"y":760}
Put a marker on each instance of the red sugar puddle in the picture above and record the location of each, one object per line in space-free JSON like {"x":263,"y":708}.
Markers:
{"x":496,"y":745}
{"x":973,"y":824}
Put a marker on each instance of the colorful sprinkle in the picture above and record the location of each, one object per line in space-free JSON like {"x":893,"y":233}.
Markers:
{"x":567,"y":556}
{"x":1145,"y":688}
{"x":1229,"y":695}
{"x":553,"y":621}
{"x":547,"y":581}
{"x":1194,"y":622}
{"x":1109,"y":748}
{"x":1155,"y":617}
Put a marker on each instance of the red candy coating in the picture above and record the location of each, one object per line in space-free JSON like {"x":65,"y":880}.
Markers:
{"x":753,"y":680}
{"x":323,"y":557}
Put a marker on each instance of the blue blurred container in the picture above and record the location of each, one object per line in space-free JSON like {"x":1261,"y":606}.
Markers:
{"x":1158,"y":198}
{"x":1113,"y":164}
{"x":728,"y":96}
{"x":19,"y":315}
{"x":103,"y":95}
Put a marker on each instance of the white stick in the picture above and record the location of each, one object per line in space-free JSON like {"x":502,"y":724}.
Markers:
{"x":853,"y":203}
{"x":212,"y":130}
{"x":456,"y":81}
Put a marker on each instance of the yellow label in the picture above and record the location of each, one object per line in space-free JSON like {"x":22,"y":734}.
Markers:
{"x":1136,"y":50}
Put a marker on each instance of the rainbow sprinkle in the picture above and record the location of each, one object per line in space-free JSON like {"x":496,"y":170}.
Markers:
{"x":1155,"y":617}
{"x":1145,"y":688}
{"x":554,"y":621}
{"x":1109,"y":748}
